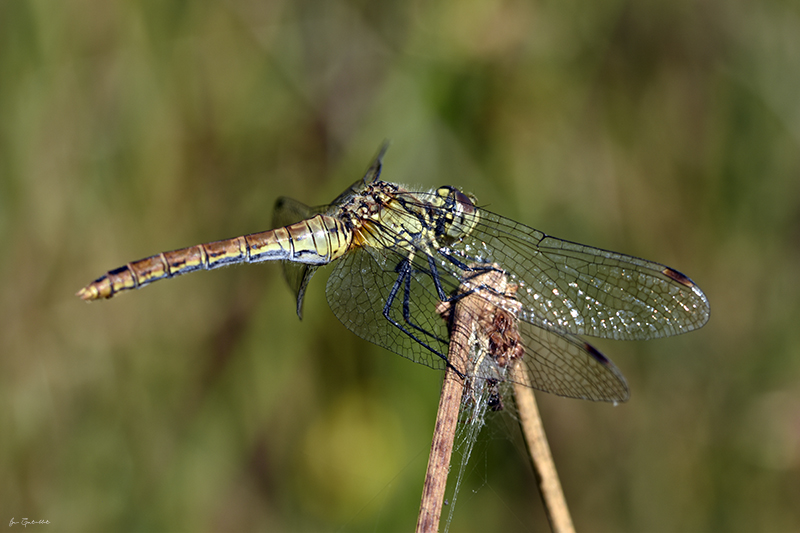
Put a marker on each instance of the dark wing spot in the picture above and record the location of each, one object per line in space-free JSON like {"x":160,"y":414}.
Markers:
{"x":677,"y":276}
{"x":594,"y":352}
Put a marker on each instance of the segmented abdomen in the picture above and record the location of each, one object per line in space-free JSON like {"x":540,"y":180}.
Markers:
{"x":316,"y":241}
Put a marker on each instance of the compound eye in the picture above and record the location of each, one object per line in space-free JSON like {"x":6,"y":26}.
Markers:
{"x":462,"y":214}
{"x":465,"y":203}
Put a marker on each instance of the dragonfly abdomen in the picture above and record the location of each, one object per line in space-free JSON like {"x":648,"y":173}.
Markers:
{"x":316,"y":241}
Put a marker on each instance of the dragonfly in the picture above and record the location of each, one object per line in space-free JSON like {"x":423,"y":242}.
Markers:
{"x":400,"y":254}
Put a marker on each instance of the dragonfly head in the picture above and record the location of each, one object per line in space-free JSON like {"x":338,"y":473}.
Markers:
{"x":460,"y":213}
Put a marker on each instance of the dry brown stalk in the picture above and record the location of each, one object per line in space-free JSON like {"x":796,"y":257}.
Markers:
{"x":484,"y":325}
{"x":555,"y":503}
{"x":430,"y":509}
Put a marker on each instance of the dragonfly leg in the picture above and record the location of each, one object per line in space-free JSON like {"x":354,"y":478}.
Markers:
{"x":437,"y":282}
{"x":407,"y":302}
{"x":469,"y":273}
{"x":404,"y":281}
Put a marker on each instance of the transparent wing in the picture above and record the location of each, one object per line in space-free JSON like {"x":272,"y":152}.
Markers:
{"x":362,"y":283}
{"x":372,"y":174}
{"x":582,"y":290}
{"x":360,"y":289}
{"x":589,"y":291}
{"x":567,"y":366}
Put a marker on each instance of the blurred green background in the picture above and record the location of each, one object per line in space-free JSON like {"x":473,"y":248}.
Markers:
{"x":667,"y":129}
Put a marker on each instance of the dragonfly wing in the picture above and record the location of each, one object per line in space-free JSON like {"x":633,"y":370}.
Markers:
{"x":362,"y":283}
{"x":565,"y":365}
{"x":372,"y":173}
{"x":582,"y":290}
{"x":358,"y":290}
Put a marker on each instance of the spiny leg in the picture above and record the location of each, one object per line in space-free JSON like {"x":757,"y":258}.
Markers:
{"x":404,"y":273}
{"x":407,"y":305}
{"x":468,"y":274}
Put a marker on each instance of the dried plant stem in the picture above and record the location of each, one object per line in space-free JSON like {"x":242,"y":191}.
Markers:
{"x":549,"y":484}
{"x":486,"y":317}
{"x":430,"y":509}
